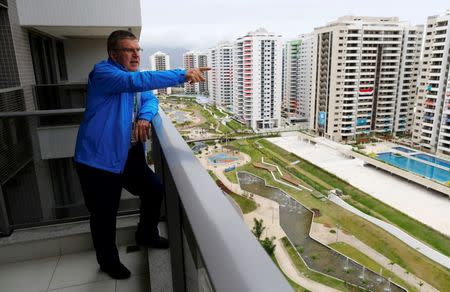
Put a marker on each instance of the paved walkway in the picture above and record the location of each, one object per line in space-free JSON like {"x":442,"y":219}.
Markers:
{"x":397,"y":232}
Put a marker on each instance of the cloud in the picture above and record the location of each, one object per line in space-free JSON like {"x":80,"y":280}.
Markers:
{"x":202,"y":24}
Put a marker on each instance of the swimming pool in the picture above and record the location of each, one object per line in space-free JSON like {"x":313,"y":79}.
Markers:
{"x":415,"y":166}
{"x":222,"y":158}
{"x":432,"y":159}
{"x":403,"y":149}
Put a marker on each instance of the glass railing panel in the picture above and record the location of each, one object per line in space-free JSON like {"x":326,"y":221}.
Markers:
{"x":60,"y":96}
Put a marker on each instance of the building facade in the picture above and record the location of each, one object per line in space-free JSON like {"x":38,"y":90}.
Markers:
{"x":192,"y":60}
{"x":257,"y":79}
{"x":290,"y":98}
{"x":364,"y":76}
{"x":432,"y":117}
{"x":160,"y":62}
{"x":305,"y":75}
{"x":298,"y":78}
{"x":220,"y":81}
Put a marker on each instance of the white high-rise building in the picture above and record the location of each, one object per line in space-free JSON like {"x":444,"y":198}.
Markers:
{"x":160,"y":61}
{"x":220,"y":78}
{"x":257,"y":80}
{"x":192,"y":60}
{"x":366,"y":71}
{"x":298,"y":77}
{"x":305,"y":75}
{"x":432,"y":118}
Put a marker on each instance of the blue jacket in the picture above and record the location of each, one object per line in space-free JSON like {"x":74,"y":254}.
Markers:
{"x":104,"y":136}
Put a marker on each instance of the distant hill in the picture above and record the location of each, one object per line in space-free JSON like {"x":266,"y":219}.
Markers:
{"x":176,"y":56}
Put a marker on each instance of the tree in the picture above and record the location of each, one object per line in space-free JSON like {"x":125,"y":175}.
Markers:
{"x":258,"y":228}
{"x":268,"y":245}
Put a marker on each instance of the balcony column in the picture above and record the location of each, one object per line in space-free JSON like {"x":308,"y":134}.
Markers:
{"x":42,"y":172}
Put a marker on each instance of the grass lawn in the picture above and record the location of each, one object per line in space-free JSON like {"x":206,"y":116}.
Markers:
{"x":231,"y":175}
{"x":369,"y":263}
{"x":216,"y":112}
{"x":333,"y":215}
{"x":245,"y":204}
{"x":224,"y":129}
{"x":236,"y":126}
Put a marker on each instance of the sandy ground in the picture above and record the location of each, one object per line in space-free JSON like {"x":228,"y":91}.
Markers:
{"x":424,"y":205}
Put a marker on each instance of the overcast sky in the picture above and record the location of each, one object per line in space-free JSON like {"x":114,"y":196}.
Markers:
{"x":200,"y":24}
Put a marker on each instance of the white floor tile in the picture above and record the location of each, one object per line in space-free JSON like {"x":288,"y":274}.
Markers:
{"x":102,"y":286}
{"x":136,"y":261}
{"x":133,"y":284}
{"x":77,"y":269}
{"x":28,"y":276}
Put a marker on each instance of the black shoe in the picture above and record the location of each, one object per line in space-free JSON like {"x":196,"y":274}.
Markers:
{"x":153,"y":242}
{"x":116,"y":271}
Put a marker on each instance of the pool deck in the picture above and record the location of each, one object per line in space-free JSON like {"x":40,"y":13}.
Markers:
{"x":420,"y":203}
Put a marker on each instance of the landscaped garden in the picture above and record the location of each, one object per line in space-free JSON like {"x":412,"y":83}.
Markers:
{"x":315,"y":177}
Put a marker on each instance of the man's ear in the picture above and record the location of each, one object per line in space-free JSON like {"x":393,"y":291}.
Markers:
{"x":112,"y":55}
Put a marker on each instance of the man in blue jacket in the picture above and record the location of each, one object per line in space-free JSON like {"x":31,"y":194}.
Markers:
{"x":109,"y":152}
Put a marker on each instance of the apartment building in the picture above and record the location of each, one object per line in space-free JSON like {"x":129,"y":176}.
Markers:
{"x":298,"y":77}
{"x":257,"y":79}
{"x":220,"y":81}
{"x":305,"y":75}
{"x":365,"y":73}
{"x":192,"y":60}
{"x":432,"y":118}
{"x":290,"y":97}
{"x":160,"y":61}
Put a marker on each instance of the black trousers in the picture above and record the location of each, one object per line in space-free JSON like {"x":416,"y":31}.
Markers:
{"x":101,"y":192}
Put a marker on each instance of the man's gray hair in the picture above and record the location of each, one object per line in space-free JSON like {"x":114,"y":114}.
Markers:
{"x":115,"y":37}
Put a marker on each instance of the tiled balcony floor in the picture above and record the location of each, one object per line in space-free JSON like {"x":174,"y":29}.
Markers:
{"x":78,"y":272}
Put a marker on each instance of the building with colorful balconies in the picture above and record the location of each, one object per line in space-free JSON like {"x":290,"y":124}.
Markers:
{"x":257,"y":79}
{"x":365,"y":75}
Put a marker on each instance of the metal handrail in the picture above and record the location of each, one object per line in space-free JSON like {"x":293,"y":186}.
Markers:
{"x":234,"y":259}
{"x":41,"y":113}
{"x":10,"y":89}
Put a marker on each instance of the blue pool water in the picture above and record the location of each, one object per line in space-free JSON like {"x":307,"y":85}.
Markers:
{"x":415,"y":166}
{"x":403,"y":149}
{"x":222,"y":158}
{"x":432,"y":159}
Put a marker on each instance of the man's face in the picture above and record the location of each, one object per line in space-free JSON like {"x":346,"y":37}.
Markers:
{"x":127,"y":54}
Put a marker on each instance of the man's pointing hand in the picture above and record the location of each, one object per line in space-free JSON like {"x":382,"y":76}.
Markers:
{"x":196,"y":74}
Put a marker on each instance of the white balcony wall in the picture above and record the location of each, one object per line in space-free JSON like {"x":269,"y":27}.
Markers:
{"x":63,"y":18}
{"x":57,"y":142}
{"x":81,"y":55}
